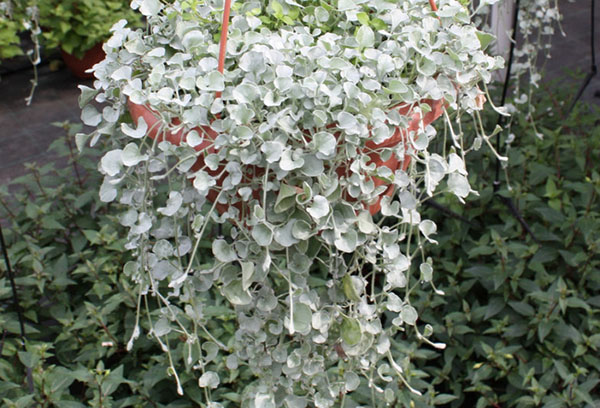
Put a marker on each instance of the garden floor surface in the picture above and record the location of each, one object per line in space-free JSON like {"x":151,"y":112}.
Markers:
{"x":27,"y":131}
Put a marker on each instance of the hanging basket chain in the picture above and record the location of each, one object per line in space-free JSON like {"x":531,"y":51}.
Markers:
{"x":223,"y":41}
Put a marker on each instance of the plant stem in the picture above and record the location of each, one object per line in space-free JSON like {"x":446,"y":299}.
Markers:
{"x":73,"y":161}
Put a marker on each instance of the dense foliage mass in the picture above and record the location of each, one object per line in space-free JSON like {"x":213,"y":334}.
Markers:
{"x":317,"y":117}
{"x":68,"y":254}
{"x":76,"y":26}
{"x":250,"y":250}
{"x":520,"y":317}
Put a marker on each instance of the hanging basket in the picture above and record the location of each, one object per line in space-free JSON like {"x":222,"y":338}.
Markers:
{"x":372,"y":149}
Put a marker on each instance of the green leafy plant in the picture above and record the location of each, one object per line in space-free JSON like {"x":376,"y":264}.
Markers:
{"x":16,"y":17}
{"x":521,"y":316}
{"x":283,"y":152}
{"x":76,"y":26}
{"x":9,"y":38}
{"x":67,"y":254}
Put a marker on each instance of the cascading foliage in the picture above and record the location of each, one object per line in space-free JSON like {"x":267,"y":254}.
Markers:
{"x":310,"y":287}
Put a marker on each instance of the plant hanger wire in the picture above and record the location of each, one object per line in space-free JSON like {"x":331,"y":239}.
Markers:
{"x":593,"y":68}
{"x":507,"y":201}
{"x":17,"y":304}
{"x":223,"y":41}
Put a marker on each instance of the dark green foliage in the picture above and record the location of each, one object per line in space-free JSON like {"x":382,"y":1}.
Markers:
{"x":68,"y":256}
{"x":9,"y":38}
{"x":77,"y":26}
{"x":521,"y":318}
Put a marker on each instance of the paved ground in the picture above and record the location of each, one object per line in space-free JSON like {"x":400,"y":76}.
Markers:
{"x":26,"y":131}
{"x":573,"y":52}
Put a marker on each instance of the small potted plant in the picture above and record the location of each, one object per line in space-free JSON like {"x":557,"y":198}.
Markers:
{"x":284,"y":124}
{"x":17,"y":17}
{"x":79,"y":27}
{"x":9,"y":37}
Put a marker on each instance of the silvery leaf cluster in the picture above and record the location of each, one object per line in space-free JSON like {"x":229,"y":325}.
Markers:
{"x":275,"y":166}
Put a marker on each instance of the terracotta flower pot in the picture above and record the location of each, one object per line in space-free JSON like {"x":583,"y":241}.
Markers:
{"x":400,"y":135}
{"x":78,"y":66}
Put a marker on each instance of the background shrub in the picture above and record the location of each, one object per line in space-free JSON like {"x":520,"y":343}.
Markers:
{"x":521,"y":317}
{"x":67,"y":253}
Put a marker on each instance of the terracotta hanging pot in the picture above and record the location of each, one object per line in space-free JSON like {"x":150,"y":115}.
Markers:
{"x":79,"y":66}
{"x":372,"y":149}
{"x":399,"y":136}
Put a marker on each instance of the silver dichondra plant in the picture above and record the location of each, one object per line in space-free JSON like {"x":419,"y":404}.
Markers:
{"x":283,"y":164}
{"x":536,"y":24}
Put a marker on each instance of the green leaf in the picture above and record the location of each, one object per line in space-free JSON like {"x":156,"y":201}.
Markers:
{"x":277,"y":8}
{"x":577,"y":302}
{"x":522,"y":308}
{"x":51,"y":223}
{"x":363,"y":18}
{"x":379,"y":24}
{"x":28,"y":359}
{"x":442,"y":399}
{"x":484,"y":39}
{"x":494,"y":307}
{"x":349,"y":289}
{"x":69,"y":404}
{"x":351,"y":332}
